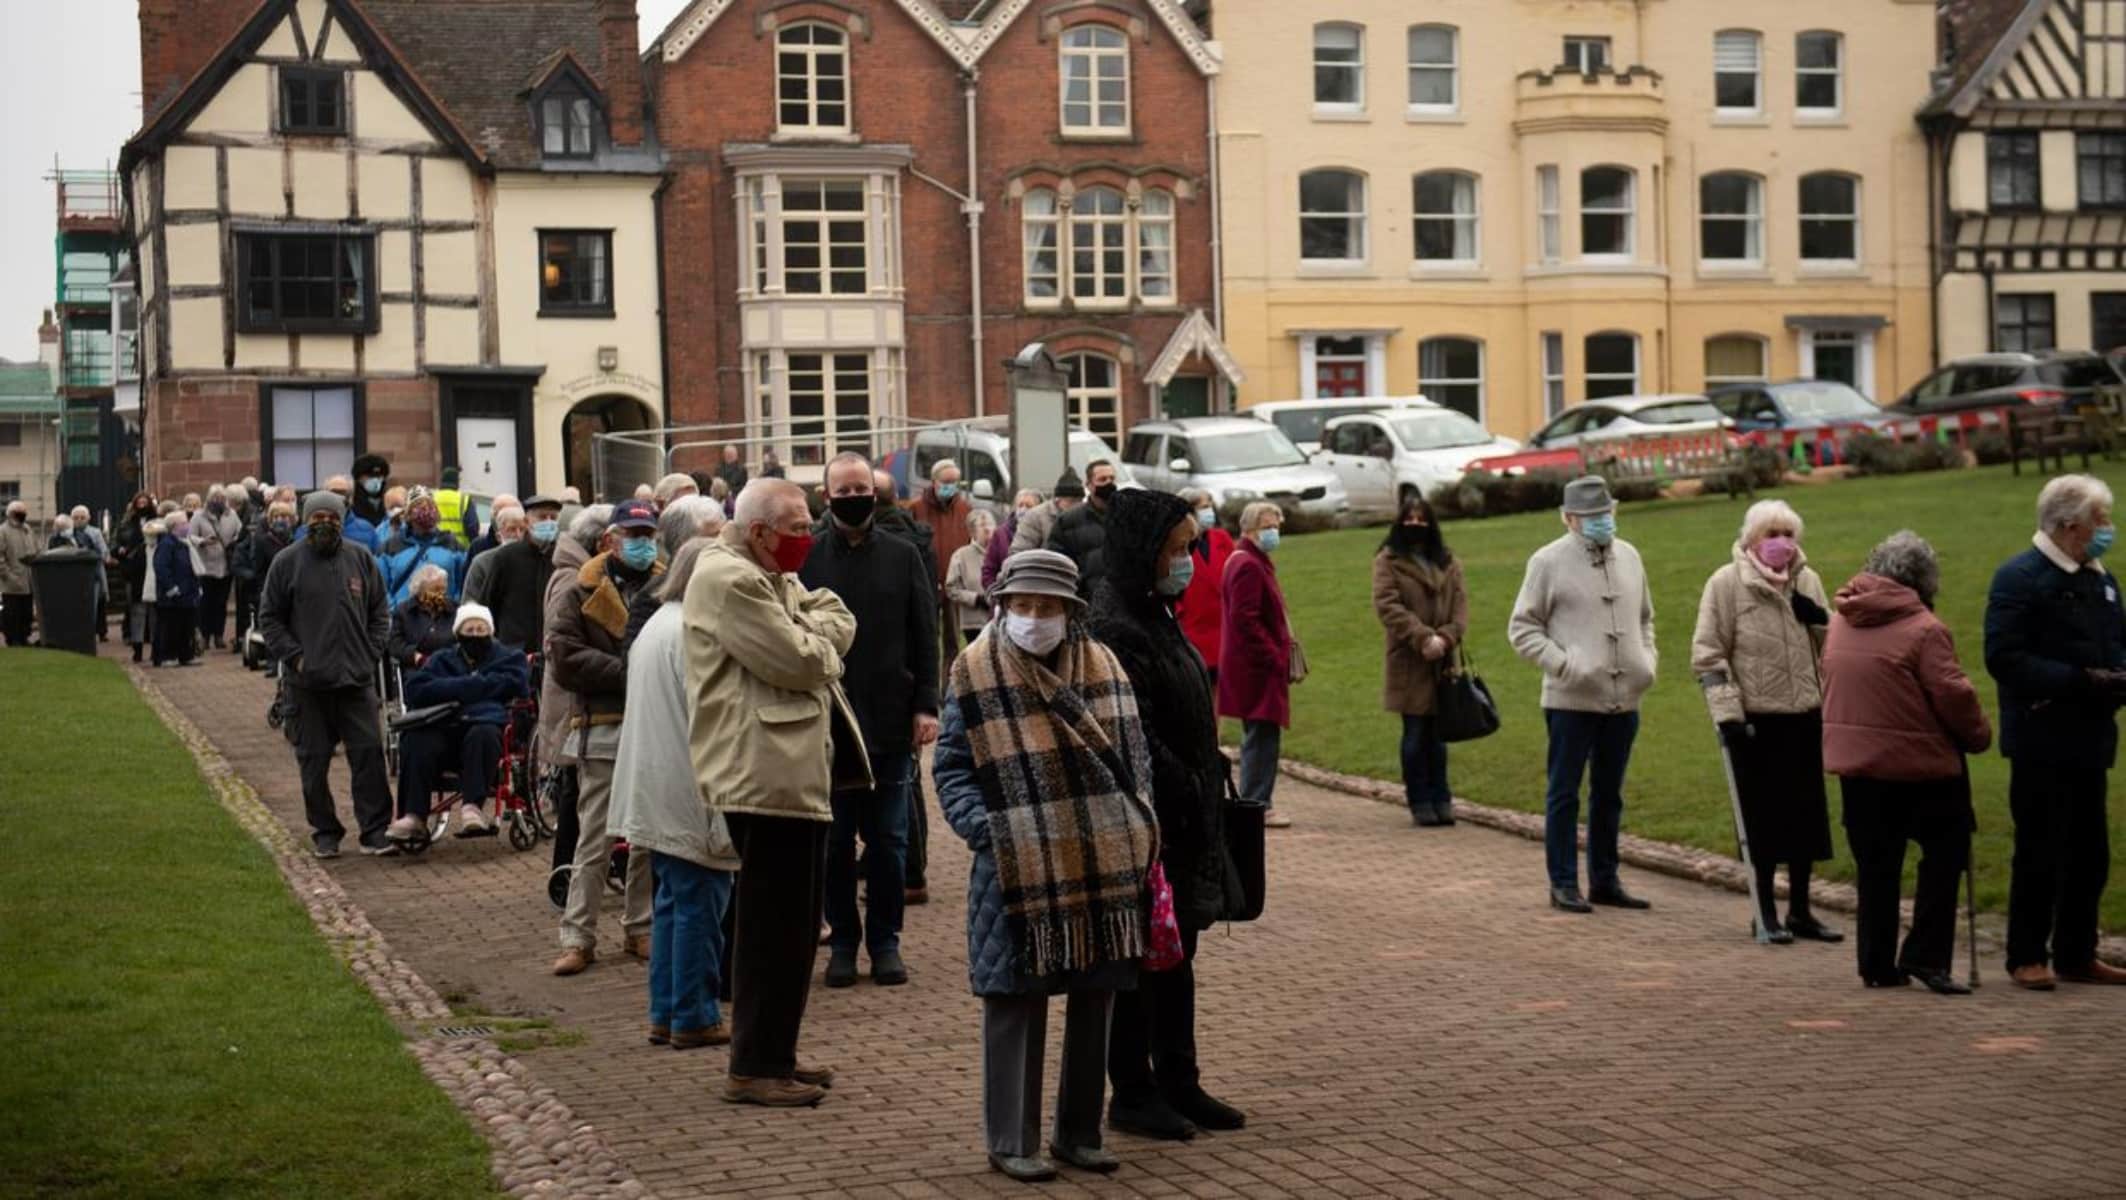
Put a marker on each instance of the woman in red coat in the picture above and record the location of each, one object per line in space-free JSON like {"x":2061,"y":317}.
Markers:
{"x":1256,"y":649}
{"x":1202,"y":607}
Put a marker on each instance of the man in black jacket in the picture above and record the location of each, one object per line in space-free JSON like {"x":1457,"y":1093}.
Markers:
{"x":515,"y":582}
{"x":323,"y":614}
{"x":1082,"y":532}
{"x":891,"y":675}
{"x":2056,"y":644}
{"x":372,"y":474}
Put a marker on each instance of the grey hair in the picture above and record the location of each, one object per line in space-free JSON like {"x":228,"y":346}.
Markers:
{"x":940,"y":467}
{"x":1766,"y":513}
{"x":673,"y":586}
{"x":80,"y":514}
{"x":589,"y":526}
{"x":1194,"y":497}
{"x":765,"y":499}
{"x":2069,"y":499}
{"x":674,"y":484}
{"x":62,"y":524}
{"x":510,"y":513}
{"x":689,"y":517}
{"x":425,"y":572}
{"x":1251,"y":516}
{"x":1907,"y":558}
{"x":976,"y":517}
{"x":1028,"y":494}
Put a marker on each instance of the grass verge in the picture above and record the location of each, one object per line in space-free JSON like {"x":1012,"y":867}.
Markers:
{"x":178,"y":1028}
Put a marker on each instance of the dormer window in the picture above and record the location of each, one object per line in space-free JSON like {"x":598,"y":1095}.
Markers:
{"x":812,"y":79}
{"x":565,"y":120}
{"x":311,"y":101}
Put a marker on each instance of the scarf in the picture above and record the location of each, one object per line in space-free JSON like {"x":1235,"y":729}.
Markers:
{"x":1061,"y":759}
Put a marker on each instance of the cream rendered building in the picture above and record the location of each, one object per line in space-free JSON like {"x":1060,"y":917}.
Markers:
{"x":1515,"y":205}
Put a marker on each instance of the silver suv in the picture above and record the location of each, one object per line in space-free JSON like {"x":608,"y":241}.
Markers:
{"x":2068,"y":379}
{"x":982,"y":448}
{"x":1236,"y":460}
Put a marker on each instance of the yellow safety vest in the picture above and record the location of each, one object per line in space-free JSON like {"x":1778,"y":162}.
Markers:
{"x":450,"y":505}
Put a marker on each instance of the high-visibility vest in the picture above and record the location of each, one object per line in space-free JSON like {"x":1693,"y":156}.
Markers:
{"x":450,"y":504}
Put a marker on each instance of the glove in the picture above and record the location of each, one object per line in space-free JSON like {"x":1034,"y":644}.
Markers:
{"x":1807,"y":611}
{"x":2111,"y":685}
{"x":1735,"y":734}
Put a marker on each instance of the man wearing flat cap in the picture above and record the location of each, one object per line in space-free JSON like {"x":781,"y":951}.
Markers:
{"x":1586,"y":617}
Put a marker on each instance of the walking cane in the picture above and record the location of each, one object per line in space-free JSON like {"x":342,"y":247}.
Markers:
{"x":1742,"y":844}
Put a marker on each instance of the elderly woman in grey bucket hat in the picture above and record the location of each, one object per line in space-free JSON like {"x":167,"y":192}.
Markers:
{"x":1041,"y":767}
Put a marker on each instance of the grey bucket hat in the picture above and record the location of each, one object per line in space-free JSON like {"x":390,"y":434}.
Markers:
{"x":1587,"y":496}
{"x":1038,"y":573}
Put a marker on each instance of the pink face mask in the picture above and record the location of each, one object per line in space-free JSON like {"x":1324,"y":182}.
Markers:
{"x":1778,"y":552}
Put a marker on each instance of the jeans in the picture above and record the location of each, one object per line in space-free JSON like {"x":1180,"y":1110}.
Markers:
{"x":326,"y":718}
{"x":1880,"y":817}
{"x":686,"y":943}
{"x":426,"y":753}
{"x":774,"y":939}
{"x":1260,"y":742}
{"x":1424,"y":766}
{"x":1598,"y":746}
{"x":880,"y":817}
{"x":2062,"y":860}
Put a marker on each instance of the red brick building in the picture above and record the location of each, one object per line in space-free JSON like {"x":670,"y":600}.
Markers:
{"x":828,"y":265}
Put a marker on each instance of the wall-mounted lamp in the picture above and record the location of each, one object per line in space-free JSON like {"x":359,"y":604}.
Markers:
{"x":553,"y":274}
{"x":608,"y":359}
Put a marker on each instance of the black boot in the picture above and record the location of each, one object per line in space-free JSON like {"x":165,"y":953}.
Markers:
{"x":1147,"y":1114}
{"x":1798,"y":917}
{"x":1204,"y":1109}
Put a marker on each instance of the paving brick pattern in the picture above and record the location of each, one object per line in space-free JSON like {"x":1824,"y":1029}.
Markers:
{"x":1408,"y":1019}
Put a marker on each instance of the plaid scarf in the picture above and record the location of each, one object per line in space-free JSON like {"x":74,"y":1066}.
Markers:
{"x":1062,"y":761}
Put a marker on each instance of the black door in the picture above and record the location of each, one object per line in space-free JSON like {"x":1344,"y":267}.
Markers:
{"x":2107,"y":321}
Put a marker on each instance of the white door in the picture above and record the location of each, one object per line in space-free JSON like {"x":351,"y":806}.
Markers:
{"x":487,"y":455}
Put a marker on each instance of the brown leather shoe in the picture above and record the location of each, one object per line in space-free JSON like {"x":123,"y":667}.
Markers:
{"x":771,"y":1093}
{"x":822,"y":1077}
{"x":2095,"y":971}
{"x":660,"y":1034}
{"x":575,"y":960}
{"x":638,"y":946}
{"x":919,"y":895}
{"x":718,"y":1034}
{"x":2036,"y":977}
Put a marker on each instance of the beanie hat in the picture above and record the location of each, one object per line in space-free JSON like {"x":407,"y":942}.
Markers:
{"x":323,"y":501}
{"x":472,"y":611}
{"x":1068,"y":484}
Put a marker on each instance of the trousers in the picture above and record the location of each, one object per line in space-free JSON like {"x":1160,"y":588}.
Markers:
{"x":1424,"y":766}
{"x":1014,"y":1044}
{"x":594,"y":854}
{"x":686,"y":942}
{"x":1151,"y":1045}
{"x":213,"y":605}
{"x":426,"y":753}
{"x":1260,"y":744}
{"x":1880,"y":817}
{"x":775,"y":938}
{"x":880,"y":817}
{"x":17,"y":611}
{"x":2061,"y":862}
{"x":174,"y":624}
{"x":1598,"y":747}
{"x":326,"y":719}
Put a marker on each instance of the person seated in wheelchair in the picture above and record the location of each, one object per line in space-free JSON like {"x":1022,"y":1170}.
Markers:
{"x":483,"y":677}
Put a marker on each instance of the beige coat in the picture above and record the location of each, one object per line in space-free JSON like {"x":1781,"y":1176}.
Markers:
{"x":1762,"y":658}
{"x":1586,"y":617}
{"x":763,"y":672}
{"x":1414,"y":600}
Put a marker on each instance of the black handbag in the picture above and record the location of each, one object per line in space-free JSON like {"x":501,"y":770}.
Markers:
{"x":1245,"y":855}
{"x":1463,"y":709}
{"x":423,"y":718}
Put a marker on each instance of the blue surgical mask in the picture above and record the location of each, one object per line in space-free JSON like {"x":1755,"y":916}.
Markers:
{"x":373,"y":485}
{"x":638,"y":553}
{"x":544,"y":532}
{"x":1268,"y":540}
{"x":1178,"y":573}
{"x":946,"y":491}
{"x":2101,"y":540}
{"x":1206,"y":518}
{"x":1600,"y":530}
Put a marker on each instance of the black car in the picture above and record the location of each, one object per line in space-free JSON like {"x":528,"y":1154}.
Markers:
{"x":2058,"y":378}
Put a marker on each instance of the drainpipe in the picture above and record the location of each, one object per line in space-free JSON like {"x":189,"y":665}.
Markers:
{"x":1217,"y":212}
{"x":972,"y":206}
{"x":1992,"y":326}
{"x":1936,"y":164}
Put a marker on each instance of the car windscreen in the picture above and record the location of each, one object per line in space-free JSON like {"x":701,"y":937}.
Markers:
{"x":1304,"y":424}
{"x":1826,"y":402}
{"x":2086,"y":372}
{"x":1440,"y":431}
{"x":1085,"y":450}
{"x":1245,"y":451}
{"x":1681,"y":412}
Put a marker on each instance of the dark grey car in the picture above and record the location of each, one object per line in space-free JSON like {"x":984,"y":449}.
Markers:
{"x":2057,"y":378}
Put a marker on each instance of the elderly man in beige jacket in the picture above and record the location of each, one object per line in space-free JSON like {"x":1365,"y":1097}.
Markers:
{"x":769,"y":729}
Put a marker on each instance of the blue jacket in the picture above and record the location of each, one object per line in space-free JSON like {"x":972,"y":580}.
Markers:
{"x":176,"y":583}
{"x":991,"y":948}
{"x":354,"y":528}
{"x":484,"y":692}
{"x":2044,"y":628}
{"x":410,"y":551}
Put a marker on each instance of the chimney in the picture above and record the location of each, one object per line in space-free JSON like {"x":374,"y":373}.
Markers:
{"x":621,"y":69}
{"x":48,"y":345}
{"x":178,"y":38}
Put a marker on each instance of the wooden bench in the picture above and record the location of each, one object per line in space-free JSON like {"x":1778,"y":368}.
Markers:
{"x":2054,"y":433}
{"x":1660,"y":458}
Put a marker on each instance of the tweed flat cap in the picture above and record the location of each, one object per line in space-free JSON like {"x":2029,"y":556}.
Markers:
{"x":1588,"y":496}
{"x":1038,"y":573}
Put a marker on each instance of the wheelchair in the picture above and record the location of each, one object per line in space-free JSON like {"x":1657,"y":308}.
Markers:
{"x":519,"y":813}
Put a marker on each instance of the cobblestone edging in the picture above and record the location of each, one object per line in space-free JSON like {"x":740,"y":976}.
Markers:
{"x":539,"y":1147}
{"x":1667,"y":858}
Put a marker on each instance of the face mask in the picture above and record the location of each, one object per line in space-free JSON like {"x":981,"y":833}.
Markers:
{"x":280,"y":525}
{"x":1178,"y":573}
{"x":1206,"y":518}
{"x":946,"y":491}
{"x":374,"y":485}
{"x":423,"y":521}
{"x":792,"y":551}
{"x":2101,"y":541}
{"x":1104,"y":493}
{"x":1777,"y":552}
{"x":638,"y":553}
{"x":1268,"y":540}
{"x":1407,"y":537}
{"x":216,"y":507}
{"x":544,"y":532}
{"x":325,"y":539}
{"x":1035,"y":635}
{"x":853,"y":512}
{"x":474,"y":647}
{"x":1600,"y":530}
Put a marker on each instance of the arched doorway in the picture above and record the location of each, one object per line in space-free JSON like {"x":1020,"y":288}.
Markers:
{"x":599,"y":414}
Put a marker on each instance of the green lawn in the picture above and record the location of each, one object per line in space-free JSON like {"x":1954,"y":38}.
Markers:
{"x":175,"y":1025}
{"x":1975,"y":518}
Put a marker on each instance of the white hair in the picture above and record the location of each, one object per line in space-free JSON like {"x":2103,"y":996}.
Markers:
{"x":2069,"y":499}
{"x":940,"y":467}
{"x":764,"y":501}
{"x":1251,"y":517}
{"x":686,"y":518}
{"x":673,"y":485}
{"x":425,"y":572}
{"x":644,"y":491}
{"x":510,"y":513}
{"x":1194,"y":497}
{"x":80,"y":514}
{"x":589,"y":526}
{"x":236,"y":492}
{"x":1765,"y":514}
{"x":62,"y":524}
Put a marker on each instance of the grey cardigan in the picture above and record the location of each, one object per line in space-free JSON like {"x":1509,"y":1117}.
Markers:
{"x":1586,"y":617}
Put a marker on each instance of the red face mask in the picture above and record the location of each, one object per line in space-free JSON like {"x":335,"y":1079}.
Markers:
{"x":791,"y":551}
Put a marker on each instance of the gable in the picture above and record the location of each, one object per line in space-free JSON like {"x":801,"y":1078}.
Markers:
{"x":1001,"y":15}
{"x":2069,"y":52}
{"x":697,"y":18}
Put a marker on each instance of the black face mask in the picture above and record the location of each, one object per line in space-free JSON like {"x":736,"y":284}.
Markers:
{"x":475,"y":648}
{"x":1105,"y":493}
{"x":324,"y":540}
{"x":853,"y":512}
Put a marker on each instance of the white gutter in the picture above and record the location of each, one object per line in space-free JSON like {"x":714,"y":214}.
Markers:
{"x":1217,"y":215}
{"x":972,"y":206}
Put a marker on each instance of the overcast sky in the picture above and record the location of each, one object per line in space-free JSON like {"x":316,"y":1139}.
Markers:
{"x":70,"y":88}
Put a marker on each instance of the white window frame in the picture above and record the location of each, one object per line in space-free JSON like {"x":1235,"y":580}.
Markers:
{"x":1081,"y":395}
{"x":812,"y":77}
{"x":1549,"y":215}
{"x":1452,"y":66}
{"x":1090,"y":231}
{"x":1836,"y":72}
{"x":1427,"y":383}
{"x":1553,"y":371}
{"x":1455,"y":217}
{"x":759,"y":196}
{"x":830,"y":397}
{"x":1356,"y":219}
{"x":1093,"y":45}
{"x":1034,"y":223}
{"x":1751,"y":219}
{"x":1852,"y":218}
{"x":1863,"y":343}
{"x":1375,"y":356}
{"x":1588,"y":375}
{"x":1764,"y":360}
{"x":826,"y":219}
{"x":1580,"y":52}
{"x":1629,"y":211}
{"x":1155,"y":256}
{"x":1728,"y":45}
{"x":1356,"y":68}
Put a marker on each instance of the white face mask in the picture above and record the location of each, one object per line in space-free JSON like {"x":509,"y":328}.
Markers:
{"x":1035,"y":635}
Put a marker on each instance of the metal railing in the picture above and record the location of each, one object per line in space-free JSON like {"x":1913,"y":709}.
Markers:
{"x":87,"y":359}
{"x":622,"y":461}
{"x":87,"y":195}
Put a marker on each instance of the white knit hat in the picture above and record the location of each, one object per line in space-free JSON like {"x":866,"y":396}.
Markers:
{"x":470,"y":611}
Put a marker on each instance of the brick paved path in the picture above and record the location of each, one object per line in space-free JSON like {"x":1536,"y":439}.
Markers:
{"x":1408,"y":1020}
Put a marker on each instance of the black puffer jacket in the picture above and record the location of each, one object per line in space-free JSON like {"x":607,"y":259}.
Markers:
{"x":1174,"y":698}
{"x":1084,"y":533}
